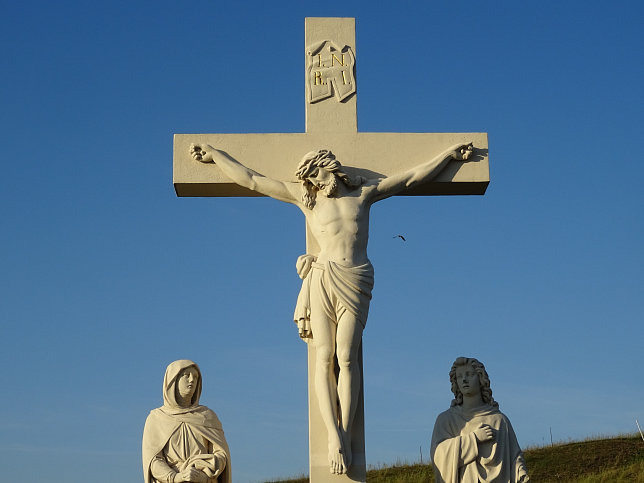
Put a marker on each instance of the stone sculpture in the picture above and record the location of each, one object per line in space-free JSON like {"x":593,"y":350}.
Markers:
{"x":182,"y":440}
{"x":333,"y":303}
{"x":473,"y":441}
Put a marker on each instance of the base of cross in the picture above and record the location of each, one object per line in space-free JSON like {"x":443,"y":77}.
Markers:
{"x":318,"y":450}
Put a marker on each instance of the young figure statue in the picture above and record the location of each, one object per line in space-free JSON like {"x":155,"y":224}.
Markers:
{"x":473,"y":441}
{"x":334,"y":301}
{"x":182,"y":440}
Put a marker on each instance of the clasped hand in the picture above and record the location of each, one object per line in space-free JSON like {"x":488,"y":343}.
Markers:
{"x":191,"y":475}
{"x":463,"y":152}
{"x":202,"y":152}
{"x":485,"y":433}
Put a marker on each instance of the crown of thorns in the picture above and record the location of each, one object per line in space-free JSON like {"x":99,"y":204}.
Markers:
{"x":322,"y":158}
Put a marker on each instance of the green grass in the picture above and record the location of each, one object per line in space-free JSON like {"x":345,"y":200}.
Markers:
{"x":609,"y":460}
{"x":601,"y":460}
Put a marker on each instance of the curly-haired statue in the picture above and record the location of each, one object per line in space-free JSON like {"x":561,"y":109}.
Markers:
{"x":473,"y":441}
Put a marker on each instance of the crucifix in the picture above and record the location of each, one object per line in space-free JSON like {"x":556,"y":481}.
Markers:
{"x":333,"y":173}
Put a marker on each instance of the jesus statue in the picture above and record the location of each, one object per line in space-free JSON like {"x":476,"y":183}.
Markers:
{"x":333,"y":304}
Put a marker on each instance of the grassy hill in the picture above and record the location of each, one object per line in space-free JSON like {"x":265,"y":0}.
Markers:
{"x":606,"y":460}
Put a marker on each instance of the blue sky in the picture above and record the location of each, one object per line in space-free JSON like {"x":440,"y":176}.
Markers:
{"x":106,"y":276}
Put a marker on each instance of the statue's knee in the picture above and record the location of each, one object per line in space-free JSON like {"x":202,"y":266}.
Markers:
{"x":345,"y":360}
{"x":324,"y":356}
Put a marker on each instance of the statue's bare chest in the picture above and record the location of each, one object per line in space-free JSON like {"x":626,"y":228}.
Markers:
{"x":340,"y":214}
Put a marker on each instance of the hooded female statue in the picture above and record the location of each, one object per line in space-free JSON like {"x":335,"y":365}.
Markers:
{"x":473,"y":441}
{"x":182,"y":440}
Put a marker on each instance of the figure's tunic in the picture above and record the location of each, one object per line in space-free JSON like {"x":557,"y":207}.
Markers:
{"x":337,"y":288}
{"x":457,"y":456}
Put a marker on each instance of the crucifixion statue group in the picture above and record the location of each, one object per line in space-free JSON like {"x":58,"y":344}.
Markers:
{"x":337,"y":276}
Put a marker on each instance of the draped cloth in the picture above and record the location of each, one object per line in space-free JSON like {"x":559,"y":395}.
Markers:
{"x":458,"y":458}
{"x":176,"y":437}
{"x":337,"y":288}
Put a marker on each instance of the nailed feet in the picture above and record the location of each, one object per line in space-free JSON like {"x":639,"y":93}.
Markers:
{"x":346,"y":448}
{"x":337,"y":462}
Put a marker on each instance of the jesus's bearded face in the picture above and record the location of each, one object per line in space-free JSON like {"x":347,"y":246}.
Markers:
{"x":325,"y":182}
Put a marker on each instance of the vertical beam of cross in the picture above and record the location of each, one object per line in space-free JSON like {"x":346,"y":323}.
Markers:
{"x":327,"y":117}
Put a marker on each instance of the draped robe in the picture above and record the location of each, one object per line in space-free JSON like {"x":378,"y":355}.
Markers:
{"x":459,"y":458}
{"x":177,"y":437}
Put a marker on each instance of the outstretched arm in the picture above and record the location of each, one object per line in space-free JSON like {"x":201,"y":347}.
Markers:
{"x":242,"y":175}
{"x":422,"y":173}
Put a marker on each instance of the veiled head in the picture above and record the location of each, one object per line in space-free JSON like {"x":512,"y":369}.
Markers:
{"x":181,"y":375}
{"x":483,"y":379}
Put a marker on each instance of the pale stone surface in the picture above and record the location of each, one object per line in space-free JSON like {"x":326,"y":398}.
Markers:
{"x":182,"y":440}
{"x":329,"y":70}
{"x":334,"y":301}
{"x":473,"y":441}
{"x":337,"y":276}
{"x":332,"y":125}
{"x":382,"y":154}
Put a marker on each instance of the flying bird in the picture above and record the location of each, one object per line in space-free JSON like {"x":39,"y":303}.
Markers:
{"x":400,"y":236}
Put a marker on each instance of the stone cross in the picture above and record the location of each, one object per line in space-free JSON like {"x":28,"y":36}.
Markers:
{"x":331,"y":124}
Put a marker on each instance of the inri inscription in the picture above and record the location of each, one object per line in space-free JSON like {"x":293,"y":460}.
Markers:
{"x":330,"y":69}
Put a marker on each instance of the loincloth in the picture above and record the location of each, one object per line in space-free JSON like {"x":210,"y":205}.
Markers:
{"x":337,"y":288}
